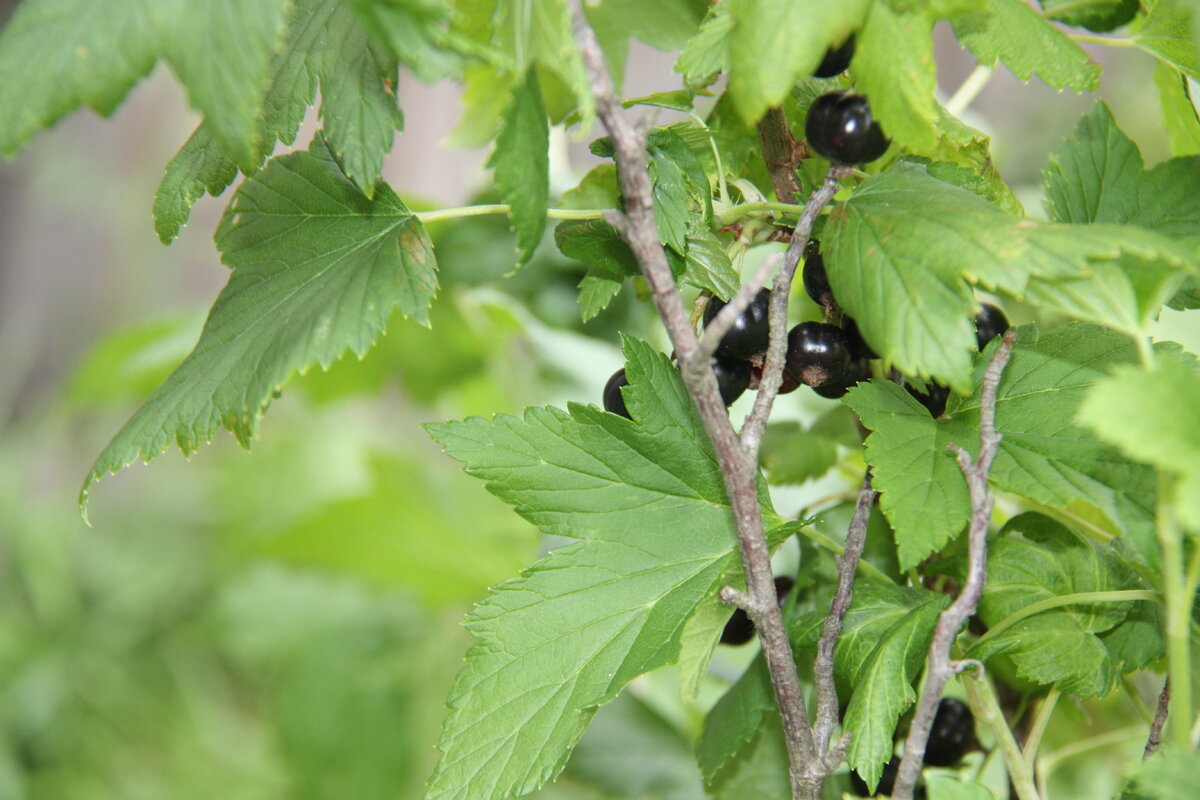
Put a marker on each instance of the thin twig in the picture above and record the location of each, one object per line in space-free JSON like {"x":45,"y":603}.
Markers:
{"x":739,"y":467}
{"x":950,"y":622}
{"x":1160,"y":719}
{"x":856,"y":537}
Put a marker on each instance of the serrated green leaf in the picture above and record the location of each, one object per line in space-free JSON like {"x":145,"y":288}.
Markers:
{"x":1166,"y":776}
{"x":597,"y":189}
{"x":665,"y":24}
{"x":791,"y":454}
{"x":883,"y":645}
{"x":707,"y":265}
{"x":596,"y":291}
{"x":1012,"y":32}
{"x":761,"y":771}
{"x":221,"y":51}
{"x":415,"y":31}
{"x":1154,"y":417}
{"x":67,"y":54}
{"x":1043,"y":456}
{"x":646,"y":498}
{"x":943,"y":787}
{"x":1095,"y":15}
{"x":706,"y":55}
{"x":735,"y":720}
{"x":895,"y":69}
{"x":795,"y":34}
{"x":905,"y":234}
{"x":317,"y":270}
{"x":200,"y":166}
{"x":1060,"y":645}
{"x":522,"y":163}
{"x":1169,"y":36}
{"x":1180,"y":116}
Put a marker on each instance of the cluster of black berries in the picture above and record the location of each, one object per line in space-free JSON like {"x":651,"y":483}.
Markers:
{"x":951,"y":736}
{"x":990,"y":322}
{"x":840,"y":125}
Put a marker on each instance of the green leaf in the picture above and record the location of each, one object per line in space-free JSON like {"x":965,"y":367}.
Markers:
{"x":1153,"y":416}
{"x":1166,"y":776}
{"x":1168,"y":35}
{"x":416,"y":33}
{"x":706,"y":55}
{"x":317,"y":270}
{"x":761,"y":771}
{"x":200,"y":166}
{"x":221,"y":51}
{"x":70,"y":53}
{"x":1012,"y":32}
{"x":1180,"y":116}
{"x":905,"y":234}
{"x":895,"y":69}
{"x":795,"y":34}
{"x":1060,"y":645}
{"x":522,"y":163}
{"x":735,"y":720}
{"x":707,"y":265}
{"x":883,"y":645}
{"x":944,"y":787}
{"x":665,"y":24}
{"x":1044,"y":455}
{"x":1096,"y":15}
{"x":792,"y":454}
{"x":646,"y":498}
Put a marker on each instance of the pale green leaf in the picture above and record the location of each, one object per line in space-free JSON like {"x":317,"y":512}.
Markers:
{"x":1154,"y":417}
{"x":796,"y":35}
{"x":707,"y":54}
{"x":1169,"y":36}
{"x":58,"y":55}
{"x":895,"y":69}
{"x":522,"y":163}
{"x":663,"y":24}
{"x":1166,"y":776}
{"x":317,"y":270}
{"x":1180,"y":116}
{"x":221,"y":51}
{"x":1012,"y":32}
{"x":791,"y":453}
{"x":707,"y":265}
{"x":646,"y":498}
{"x":944,"y":787}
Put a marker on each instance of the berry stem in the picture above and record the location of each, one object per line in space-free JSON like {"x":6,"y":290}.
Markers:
{"x":981,"y":696}
{"x":1044,"y":712}
{"x":1107,"y":41}
{"x":743,"y":210}
{"x":969,"y":90}
{"x":1178,"y":605}
{"x":1078,"y":598}
{"x":437,"y":215}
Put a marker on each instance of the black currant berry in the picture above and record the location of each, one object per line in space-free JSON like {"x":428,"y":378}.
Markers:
{"x":732,"y":378}
{"x":747,"y":337}
{"x":836,"y":59}
{"x":934,"y":398}
{"x":614,"y":401}
{"x":817,"y":353}
{"x":740,"y":629}
{"x":989,"y":323}
{"x":858,"y":345}
{"x":860,"y":370}
{"x":952,"y":733}
{"x":840,"y":127}
{"x":816,"y":280}
{"x":887,"y":782}
{"x":789,"y":384}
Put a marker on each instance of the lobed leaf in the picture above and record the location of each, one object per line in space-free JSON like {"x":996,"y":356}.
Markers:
{"x":317,"y":270}
{"x":894,"y":67}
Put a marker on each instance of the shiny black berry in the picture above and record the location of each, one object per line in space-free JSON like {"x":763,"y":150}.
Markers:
{"x":860,"y":370}
{"x":887,"y":782}
{"x":840,"y":127}
{"x":614,"y":401}
{"x":817,"y":353}
{"x":858,"y":345}
{"x":989,"y":323}
{"x":933,"y":398}
{"x":952,"y":733}
{"x":816,"y":280}
{"x":740,"y":629}
{"x":747,"y":337}
{"x":732,"y":378}
{"x":836,"y":59}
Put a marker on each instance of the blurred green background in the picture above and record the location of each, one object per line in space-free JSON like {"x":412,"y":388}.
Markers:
{"x":285,"y":623}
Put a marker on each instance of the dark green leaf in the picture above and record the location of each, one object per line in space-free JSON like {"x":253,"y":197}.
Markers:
{"x":522,"y":165}
{"x":1095,"y":15}
{"x":200,"y":166}
{"x":735,"y":720}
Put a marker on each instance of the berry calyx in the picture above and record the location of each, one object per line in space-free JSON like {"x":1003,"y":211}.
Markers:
{"x":840,"y":127}
{"x":747,"y":336}
{"x":816,"y":280}
{"x":614,"y":401}
{"x":740,"y":629}
{"x":836,"y":59}
{"x":733,"y":377}
{"x":860,"y":370}
{"x":817,"y":353}
{"x":951,"y":735}
{"x":990,"y":322}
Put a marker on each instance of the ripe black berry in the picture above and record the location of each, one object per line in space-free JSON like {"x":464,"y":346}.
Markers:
{"x":732,"y":378}
{"x":614,"y":401}
{"x":816,"y":281}
{"x":952,"y":733}
{"x":887,"y":782}
{"x":990,"y":322}
{"x":740,"y":629}
{"x":934,"y":398}
{"x":836,"y":59}
{"x":858,"y":345}
{"x":747,"y":337}
{"x":840,"y":127}
{"x":860,"y":370}
{"x":817,"y":353}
